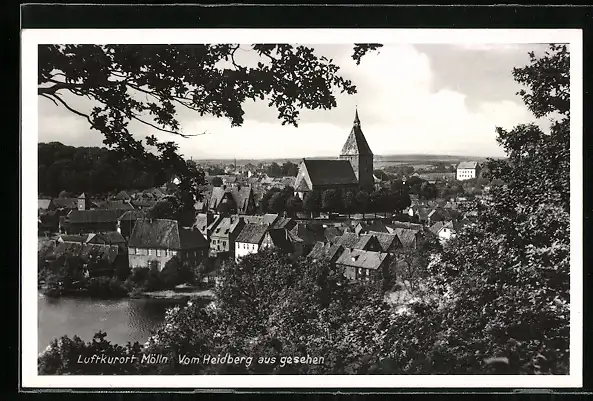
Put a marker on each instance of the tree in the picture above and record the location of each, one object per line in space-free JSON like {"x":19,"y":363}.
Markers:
{"x":399,"y":196}
{"x":428,"y":190}
{"x":145,"y":84}
{"x":516,"y":257}
{"x":265,"y":200}
{"x":331,"y":201}
{"x":312,"y":202}
{"x":349,"y":202}
{"x":362,"y":202}
{"x":277,"y":203}
{"x":217,"y":182}
{"x":294,"y":204}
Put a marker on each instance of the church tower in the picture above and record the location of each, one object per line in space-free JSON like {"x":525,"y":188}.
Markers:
{"x":357,"y":151}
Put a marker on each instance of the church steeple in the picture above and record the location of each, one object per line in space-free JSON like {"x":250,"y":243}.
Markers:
{"x":356,"y":144}
{"x":358,"y":152}
{"x":356,"y":119}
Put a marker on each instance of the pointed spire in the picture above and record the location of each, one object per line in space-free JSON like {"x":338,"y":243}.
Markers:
{"x":356,"y":119}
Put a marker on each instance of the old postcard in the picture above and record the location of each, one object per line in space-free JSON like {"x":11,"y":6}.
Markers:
{"x":302,"y":208}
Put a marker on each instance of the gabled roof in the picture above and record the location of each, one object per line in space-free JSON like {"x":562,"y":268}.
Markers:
{"x":43,"y":203}
{"x":330,"y":172}
{"x":268,"y":218}
{"x":309,"y":233}
{"x":226,"y":225}
{"x":406,"y":237}
{"x":252,"y":233}
{"x":107,"y":238}
{"x":69,"y":203}
{"x":325,"y":251}
{"x":281,"y":239}
{"x":203,"y":220}
{"x":436,"y":227}
{"x":356,"y":143}
{"x":84,"y":251}
{"x":303,"y":186}
{"x":131,"y":215}
{"x":240,"y":196}
{"x":284,"y":222}
{"x":94,"y":216}
{"x":82,"y":196}
{"x":165,"y":234}
{"x":122,"y":195}
{"x":403,"y":224}
{"x":73,"y":238}
{"x":363,"y":259}
{"x":376,"y":225}
{"x":114,"y":205}
{"x":464,"y":165}
{"x":389,"y":242}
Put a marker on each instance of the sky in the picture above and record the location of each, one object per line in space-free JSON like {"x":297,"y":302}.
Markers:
{"x":412,"y":99}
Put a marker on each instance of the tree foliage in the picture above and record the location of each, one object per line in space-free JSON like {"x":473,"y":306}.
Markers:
{"x":147,"y":84}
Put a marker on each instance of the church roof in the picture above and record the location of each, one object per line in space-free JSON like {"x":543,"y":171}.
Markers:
{"x":356,"y":144}
{"x":330,"y":172}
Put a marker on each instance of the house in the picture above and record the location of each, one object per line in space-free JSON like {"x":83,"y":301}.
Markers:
{"x":362,"y":242}
{"x":115,"y":260}
{"x":63,"y":203}
{"x":363,"y":265}
{"x":410,"y":239}
{"x":125,"y":223}
{"x":108,"y":238}
{"x":325,"y":251}
{"x":232,"y":200}
{"x":250,"y":239}
{"x":224,"y":234}
{"x":467,"y":170}
{"x":352,"y":170}
{"x":90,"y":221}
{"x":365,"y":226}
{"x":204,"y":223}
{"x":284,"y":222}
{"x":154,"y":242}
{"x":113,"y":205}
{"x":310,"y":234}
{"x":43,"y":204}
{"x":403,"y":224}
{"x":123,"y":196}
{"x":283,"y":240}
{"x":443,"y":230}
{"x":389,"y":243}
{"x":268,"y":218}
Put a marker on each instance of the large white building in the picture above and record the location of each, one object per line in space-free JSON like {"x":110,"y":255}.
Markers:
{"x":467,"y":170}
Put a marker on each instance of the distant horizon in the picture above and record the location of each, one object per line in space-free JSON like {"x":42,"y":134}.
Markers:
{"x":381,"y":156}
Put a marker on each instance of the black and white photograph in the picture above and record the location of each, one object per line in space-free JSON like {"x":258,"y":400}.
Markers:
{"x":368,"y":208}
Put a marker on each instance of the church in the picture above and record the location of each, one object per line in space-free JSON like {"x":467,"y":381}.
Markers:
{"x":353,"y":169}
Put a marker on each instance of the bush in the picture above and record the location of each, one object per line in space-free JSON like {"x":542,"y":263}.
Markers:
{"x":106,"y":287}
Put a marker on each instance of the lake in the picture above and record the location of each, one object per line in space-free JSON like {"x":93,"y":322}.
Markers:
{"x":123,"y":320}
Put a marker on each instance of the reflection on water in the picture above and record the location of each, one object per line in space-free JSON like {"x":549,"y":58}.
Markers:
{"x":124,"y":320}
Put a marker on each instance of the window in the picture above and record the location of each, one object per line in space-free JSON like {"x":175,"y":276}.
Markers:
{"x":132,"y":251}
{"x":223,"y":243}
{"x":173,"y":253}
{"x":166,"y":252}
{"x":195,"y":253}
{"x":150,"y":252}
{"x":158,"y":252}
